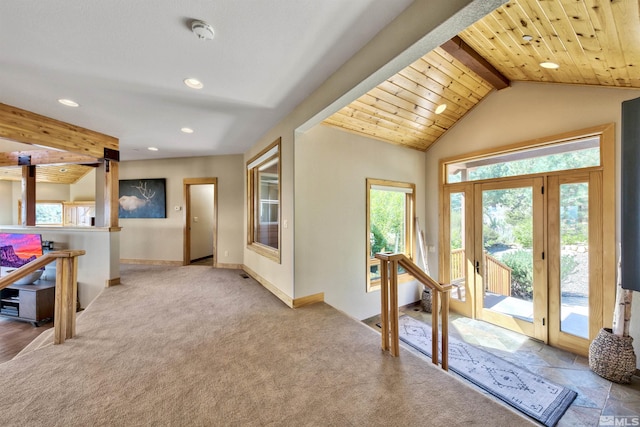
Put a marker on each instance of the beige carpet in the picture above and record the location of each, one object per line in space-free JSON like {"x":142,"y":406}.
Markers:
{"x":195,"y":346}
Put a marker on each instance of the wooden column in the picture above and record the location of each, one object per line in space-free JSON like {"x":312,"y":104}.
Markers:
{"x":111,"y":193}
{"x":28,"y":195}
{"x":107,"y":194}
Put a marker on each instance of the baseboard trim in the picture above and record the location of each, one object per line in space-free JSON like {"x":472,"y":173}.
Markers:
{"x":230,"y":266}
{"x":149,"y":262}
{"x":112,"y":282}
{"x":308,"y":300}
{"x":269,"y":286}
{"x":291,"y":302}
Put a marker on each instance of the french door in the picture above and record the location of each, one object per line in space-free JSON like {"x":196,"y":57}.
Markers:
{"x":525,"y":254}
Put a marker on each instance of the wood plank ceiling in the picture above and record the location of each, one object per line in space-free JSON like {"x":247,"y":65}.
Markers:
{"x":594,"y":42}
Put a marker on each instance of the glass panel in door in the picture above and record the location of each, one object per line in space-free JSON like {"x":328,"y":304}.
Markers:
{"x":510,"y":269}
{"x":574,"y":259}
{"x":457,"y":239}
{"x":507,"y":240}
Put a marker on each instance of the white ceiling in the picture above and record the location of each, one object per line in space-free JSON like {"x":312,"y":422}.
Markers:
{"x":125,"y":61}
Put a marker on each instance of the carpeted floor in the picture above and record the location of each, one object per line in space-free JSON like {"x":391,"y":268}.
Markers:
{"x":196,"y":346}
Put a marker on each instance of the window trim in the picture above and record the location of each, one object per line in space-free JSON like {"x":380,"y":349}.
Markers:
{"x":410,"y":192}
{"x":268,"y":154}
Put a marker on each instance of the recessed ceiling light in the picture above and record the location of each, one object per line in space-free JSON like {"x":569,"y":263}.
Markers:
{"x":193,"y":83}
{"x":152,"y":149}
{"x":549,"y":65}
{"x":187,"y":130}
{"x":527,"y":37}
{"x":68,"y":102}
{"x":63,"y":170}
{"x":440,"y":108}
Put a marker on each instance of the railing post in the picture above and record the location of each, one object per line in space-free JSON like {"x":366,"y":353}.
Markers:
{"x":393,"y":301}
{"x":445,"y":330}
{"x":435,"y":306}
{"x":384,"y":303}
{"x":66,"y":297}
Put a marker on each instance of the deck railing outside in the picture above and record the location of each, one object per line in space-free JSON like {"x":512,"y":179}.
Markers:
{"x":497,"y":275}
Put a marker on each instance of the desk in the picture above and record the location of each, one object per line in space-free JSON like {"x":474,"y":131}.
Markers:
{"x":31,"y":303}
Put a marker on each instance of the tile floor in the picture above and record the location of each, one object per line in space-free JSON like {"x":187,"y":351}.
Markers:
{"x":596,"y":396}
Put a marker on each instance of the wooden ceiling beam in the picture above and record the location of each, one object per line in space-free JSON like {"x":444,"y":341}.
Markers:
{"x":464,"y":53}
{"x":31,"y":128}
{"x":45,"y":157}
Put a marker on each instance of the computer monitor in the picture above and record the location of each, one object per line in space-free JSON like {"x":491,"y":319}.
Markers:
{"x":18,"y":249}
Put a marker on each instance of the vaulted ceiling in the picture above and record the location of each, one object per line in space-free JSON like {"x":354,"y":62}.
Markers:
{"x":594,"y":42}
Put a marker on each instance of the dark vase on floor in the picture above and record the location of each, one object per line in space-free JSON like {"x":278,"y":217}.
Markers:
{"x":426,"y":300}
{"x":612,"y":357}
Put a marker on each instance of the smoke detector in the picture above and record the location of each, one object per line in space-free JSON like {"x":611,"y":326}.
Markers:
{"x":203,"y":30}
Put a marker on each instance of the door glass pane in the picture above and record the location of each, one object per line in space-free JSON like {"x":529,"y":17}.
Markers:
{"x":507,"y":238}
{"x":457,"y":256}
{"x":574,"y":259}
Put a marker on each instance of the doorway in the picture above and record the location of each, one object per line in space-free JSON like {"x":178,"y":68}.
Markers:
{"x":531,"y":253}
{"x":200,"y":216}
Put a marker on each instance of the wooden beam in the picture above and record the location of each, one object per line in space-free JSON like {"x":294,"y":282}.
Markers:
{"x":46,"y":157}
{"x":111,"y":190}
{"x":31,"y":128}
{"x":457,"y":48}
{"x":28,"y":195}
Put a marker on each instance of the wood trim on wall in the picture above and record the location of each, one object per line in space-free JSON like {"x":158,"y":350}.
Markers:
{"x":112,"y":282}
{"x":150,"y":262}
{"x":291,"y":302}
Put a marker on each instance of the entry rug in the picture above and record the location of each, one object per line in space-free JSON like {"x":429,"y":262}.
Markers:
{"x":531,"y":394}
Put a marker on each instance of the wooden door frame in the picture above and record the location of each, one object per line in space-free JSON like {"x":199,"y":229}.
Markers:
{"x":557,"y":338}
{"x":537,"y":328}
{"x":468,"y":306}
{"x":186,"y":184}
{"x":607,"y":214}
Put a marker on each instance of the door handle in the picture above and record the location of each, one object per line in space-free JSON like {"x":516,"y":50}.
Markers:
{"x":478,"y":267}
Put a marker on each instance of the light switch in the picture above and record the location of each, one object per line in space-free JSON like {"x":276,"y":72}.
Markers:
{"x":195,"y":219}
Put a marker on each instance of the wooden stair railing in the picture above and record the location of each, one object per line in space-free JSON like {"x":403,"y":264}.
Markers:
{"x":389,"y":301}
{"x":64,"y":312}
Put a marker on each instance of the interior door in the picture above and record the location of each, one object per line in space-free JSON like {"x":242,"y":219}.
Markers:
{"x":510,"y":268}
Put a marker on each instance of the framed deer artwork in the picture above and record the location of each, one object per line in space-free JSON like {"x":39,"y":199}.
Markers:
{"x":142,"y":198}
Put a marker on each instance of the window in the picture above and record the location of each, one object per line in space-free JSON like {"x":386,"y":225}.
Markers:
{"x":263,"y":185}
{"x":550,"y":157}
{"x":47,"y":213}
{"x":390,"y":213}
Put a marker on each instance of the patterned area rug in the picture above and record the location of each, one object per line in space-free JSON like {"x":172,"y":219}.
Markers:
{"x":531,"y":394}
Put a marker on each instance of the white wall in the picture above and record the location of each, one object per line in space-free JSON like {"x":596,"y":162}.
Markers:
{"x":162,"y":239}
{"x":6,"y":207}
{"x":84,"y":189}
{"x":44,"y":192}
{"x":95,"y":268}
{"x":330,"y":212}
{"x":523,"y":112}
{"x":201,"y":221}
